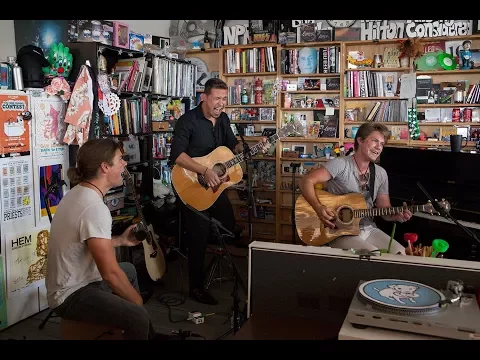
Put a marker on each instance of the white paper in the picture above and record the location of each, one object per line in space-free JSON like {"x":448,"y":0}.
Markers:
{"x":408,"y":86}
{"x":329,"y":111}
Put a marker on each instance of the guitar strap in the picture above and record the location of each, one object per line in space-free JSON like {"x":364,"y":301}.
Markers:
{"x":371,"y":183}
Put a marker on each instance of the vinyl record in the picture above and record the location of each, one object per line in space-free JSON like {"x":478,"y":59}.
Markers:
{"x":428,"y":62}
{"x":400,"y":294}
{"x":447,"y":61}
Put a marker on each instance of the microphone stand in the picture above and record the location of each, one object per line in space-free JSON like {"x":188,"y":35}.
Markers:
{"x":294,"y":166}
{"x":446,"y":214}
{"x":216,"y":226}
{"x":251,"y":200}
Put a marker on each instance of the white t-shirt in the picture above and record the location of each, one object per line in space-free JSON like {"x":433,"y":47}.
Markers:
{"x":70,"y":266}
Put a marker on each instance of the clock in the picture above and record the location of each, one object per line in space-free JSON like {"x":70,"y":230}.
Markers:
{"x":341,"y":23}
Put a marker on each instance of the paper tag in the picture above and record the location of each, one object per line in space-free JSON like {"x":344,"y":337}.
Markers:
{"x":329,"y":111}
{"x":408,"y":86}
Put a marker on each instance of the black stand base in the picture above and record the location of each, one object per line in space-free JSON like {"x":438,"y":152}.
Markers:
{"x":216,"y":226}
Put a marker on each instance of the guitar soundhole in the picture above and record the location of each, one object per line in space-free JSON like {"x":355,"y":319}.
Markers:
{"x":345,"y":215}
{"x":220,"y":169}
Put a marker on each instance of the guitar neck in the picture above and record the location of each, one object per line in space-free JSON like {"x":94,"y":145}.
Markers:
{"x":137,"y":202}
{"x":387,"y":211}
{"x":253,"y":151}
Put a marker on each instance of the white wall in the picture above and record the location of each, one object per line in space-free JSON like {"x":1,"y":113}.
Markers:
{"x":7,"y":33}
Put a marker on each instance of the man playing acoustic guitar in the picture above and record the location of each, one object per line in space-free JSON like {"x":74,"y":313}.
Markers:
{"x":351,"y":174}
{"x":197,"y":133}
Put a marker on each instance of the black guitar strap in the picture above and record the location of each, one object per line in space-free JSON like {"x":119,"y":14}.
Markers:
{"x":371,"y":183}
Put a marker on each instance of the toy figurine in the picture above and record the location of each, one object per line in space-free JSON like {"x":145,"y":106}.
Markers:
{"x":60,"y":60}
{"x":466,"y":55}
{"x":254,"y":178}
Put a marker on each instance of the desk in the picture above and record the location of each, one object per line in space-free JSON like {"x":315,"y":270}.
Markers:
{"x":269,"y":327}
{"x":348,"y":332}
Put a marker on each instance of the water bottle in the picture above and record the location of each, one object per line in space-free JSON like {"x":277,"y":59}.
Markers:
{"x":17,"y":73}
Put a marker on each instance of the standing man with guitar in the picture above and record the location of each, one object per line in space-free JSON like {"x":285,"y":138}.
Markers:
{"x":357,"y":174}
{"x":84,"y":280}
{"x":197,"y":133}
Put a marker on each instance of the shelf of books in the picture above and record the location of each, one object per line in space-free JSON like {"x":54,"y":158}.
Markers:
{"x":250,"y":72}
{"x":332,"y":88}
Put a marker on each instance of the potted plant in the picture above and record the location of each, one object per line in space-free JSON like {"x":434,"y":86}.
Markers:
{"x":409,"y":48}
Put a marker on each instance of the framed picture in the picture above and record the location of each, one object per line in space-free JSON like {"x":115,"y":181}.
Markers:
{"x":475,"y":59}
{"x":160,"y":41}
{"x":300,"y":148}
{"x":475,"y":27}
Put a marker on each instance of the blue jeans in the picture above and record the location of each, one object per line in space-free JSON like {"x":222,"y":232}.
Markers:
{"x":96,"y":303}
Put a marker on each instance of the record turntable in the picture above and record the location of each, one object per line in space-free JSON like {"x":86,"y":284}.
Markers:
{"x":417,"y":308}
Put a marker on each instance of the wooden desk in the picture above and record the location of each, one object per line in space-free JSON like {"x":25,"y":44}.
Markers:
{"x":270,"y":327}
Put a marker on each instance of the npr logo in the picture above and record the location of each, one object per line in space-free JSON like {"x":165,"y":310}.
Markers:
{"x":21,"y":241}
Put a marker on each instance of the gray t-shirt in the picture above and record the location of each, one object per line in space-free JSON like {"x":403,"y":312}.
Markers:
{"x":70,"y":266}
{"x":345,"y":180}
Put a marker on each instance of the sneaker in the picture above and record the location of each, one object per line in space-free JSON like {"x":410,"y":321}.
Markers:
{"x":203,"y":296}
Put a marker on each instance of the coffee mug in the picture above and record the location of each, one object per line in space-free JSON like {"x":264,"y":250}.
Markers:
{"x":456,"y":142}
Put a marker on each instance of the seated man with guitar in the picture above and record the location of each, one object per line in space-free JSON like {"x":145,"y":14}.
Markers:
{"x":84,"y":280}
{"x":350,"y":176}
{"x":198,"y":133}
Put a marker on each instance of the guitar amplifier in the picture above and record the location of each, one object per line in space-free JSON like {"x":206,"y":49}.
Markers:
{"x":320,"y":282}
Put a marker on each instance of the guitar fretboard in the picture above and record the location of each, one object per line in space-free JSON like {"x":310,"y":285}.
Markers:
{"x":387,"y":211}
{"x":253,"y":151}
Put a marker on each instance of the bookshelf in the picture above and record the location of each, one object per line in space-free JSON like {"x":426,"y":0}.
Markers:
{"x":281,"y":196}
{"x":253,"y":67}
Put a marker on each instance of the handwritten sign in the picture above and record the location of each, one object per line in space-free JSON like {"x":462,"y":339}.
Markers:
{"x":26,"y":259}
{"x":408,"y":86}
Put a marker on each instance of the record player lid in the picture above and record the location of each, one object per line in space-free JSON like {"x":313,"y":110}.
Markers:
{"x":400,"y":294}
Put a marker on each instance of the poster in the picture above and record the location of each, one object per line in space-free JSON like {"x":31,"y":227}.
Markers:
{"x":17,"y":192}
{"x":50,"y":175}
{"x":41,"y":33}
{"x":26,"y":259}
{"x":14,"y":126}
{"x":3,"y":299}
{"x":49,"y":115}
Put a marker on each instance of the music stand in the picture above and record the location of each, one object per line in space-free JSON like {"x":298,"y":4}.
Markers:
{"x":51,"y":189}
{"x":237,"y":280}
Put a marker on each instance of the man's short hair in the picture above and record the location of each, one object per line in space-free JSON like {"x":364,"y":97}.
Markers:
{"x":214,"y":83}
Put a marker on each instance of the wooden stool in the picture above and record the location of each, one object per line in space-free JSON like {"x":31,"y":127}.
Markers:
{"x":79,"y":330}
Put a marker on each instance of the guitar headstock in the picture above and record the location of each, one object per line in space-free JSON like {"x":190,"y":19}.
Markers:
{"x":291,"y":128}
{"x":429,"y":208}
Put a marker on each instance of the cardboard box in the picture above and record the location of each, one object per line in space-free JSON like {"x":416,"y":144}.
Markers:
{"x":90,"y":31}
{"x":159,"y":125}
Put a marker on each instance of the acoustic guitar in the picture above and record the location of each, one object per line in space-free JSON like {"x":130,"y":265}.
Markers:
{"x":349,"y":209}
{"x":154,"y":259}
{"x":192,"y":188}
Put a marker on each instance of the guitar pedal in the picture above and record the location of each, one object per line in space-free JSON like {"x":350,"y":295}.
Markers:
{"x":196,"y":317}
